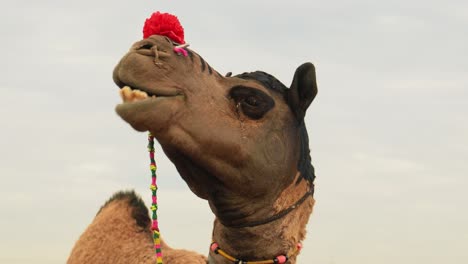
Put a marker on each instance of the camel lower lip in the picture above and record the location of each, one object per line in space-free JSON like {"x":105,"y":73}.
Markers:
{"x":142,"y":104}
{"x":126,"y":108}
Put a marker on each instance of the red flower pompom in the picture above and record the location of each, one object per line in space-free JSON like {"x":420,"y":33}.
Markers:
{"x":164,"y":24}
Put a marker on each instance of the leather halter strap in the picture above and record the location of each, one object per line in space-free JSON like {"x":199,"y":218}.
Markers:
{"x":277,"y":216}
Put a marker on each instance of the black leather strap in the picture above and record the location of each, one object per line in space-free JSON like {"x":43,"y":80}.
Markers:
{"x":277,"y":216}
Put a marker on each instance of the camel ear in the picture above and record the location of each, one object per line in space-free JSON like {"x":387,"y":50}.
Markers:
{"x":303,"y":90}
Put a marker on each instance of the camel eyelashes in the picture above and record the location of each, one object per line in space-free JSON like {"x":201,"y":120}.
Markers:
{"x":252,"y":102}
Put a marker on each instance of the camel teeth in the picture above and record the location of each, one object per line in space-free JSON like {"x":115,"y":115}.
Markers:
{"x":126,"y":94}
{"x":129,"y":95}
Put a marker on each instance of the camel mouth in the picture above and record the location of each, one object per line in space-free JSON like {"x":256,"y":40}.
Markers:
{"x":132,"y":95}
{"x":137,"y":105}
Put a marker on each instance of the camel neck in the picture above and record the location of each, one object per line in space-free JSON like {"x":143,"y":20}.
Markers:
{"x":264,"y":242}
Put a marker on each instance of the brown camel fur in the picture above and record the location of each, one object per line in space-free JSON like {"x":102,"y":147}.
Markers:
{"x":239,"y":142}
{"x":121,"y":233}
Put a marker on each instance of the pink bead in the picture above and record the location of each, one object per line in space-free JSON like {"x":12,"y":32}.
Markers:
{"x":157,"y":246}
{"x":155,"y":199}
{"x":299,"y":246}
{"x":155,"y":226}
{"x":282,"y":259}
{"x":214,"y":246}
{"x":152,"y":155}
{"x":153,"y":180}
{"x":159,"y":254}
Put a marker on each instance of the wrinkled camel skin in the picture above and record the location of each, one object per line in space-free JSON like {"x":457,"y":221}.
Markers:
{"x":239,"y":142}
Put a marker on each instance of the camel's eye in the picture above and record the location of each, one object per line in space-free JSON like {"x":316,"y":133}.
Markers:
{"x":253,"y":102}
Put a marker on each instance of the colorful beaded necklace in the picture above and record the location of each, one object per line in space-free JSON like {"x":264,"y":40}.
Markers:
{"x":281,"y":259}
{"x":154,"y":204}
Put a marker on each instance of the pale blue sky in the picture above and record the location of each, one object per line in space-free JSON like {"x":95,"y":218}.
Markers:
{"x":388,"y":129}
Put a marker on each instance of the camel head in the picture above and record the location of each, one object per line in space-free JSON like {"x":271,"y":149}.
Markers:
{"x":237,"y":141}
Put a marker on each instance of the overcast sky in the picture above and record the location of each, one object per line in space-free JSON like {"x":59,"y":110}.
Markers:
{"x":388,"y":129}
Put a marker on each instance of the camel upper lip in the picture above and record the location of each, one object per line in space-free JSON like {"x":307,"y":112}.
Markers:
{"x":150,"y":89}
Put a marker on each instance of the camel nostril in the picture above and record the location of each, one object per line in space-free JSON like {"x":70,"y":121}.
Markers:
{"x":146,"y":46}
